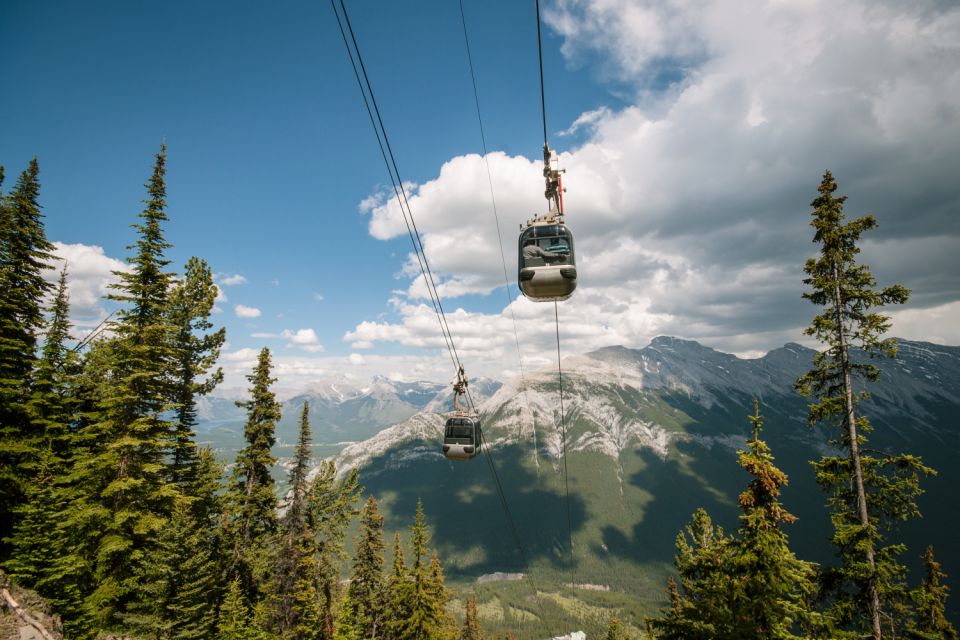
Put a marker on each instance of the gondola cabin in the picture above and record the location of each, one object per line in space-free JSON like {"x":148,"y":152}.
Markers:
{"x":547,"y":270}
{"x":461,"y":437}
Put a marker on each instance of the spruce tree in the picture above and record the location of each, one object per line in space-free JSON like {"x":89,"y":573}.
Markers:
{"x":234,"y":621}
{"x":423,"y":592}
{"x":36,"y":541}
{"x":251,"y":500}
{"x":704,"y":610}
{"x":351,"y":621}
{"x":175,"y":579}
{"x":775,"y":588}
{"x":471,"y":629}
{"x":931,"y":599}
{"x":294,"y":601}
{"x":330,"y":507}
{"x":868,"y":493}
{"x":398,"y":594}
{"x":367,"y":590}
{"x":25,"y":254}
{"x":127,"y":471}
{"x":196,"y":351}
{"x":616,"y":630}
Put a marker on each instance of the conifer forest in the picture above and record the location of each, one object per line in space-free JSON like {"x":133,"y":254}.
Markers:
{"x":114,"y":516}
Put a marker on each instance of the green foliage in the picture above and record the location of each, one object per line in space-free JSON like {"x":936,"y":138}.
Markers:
{"x":745,"y":586}
{"x":176,"y":580}
{"x":471,"y":629}
{"x":25,"y":254}
{"x":330,"y":508}
{"x":195,"y":353}
{"x":869,"y":492}
{"x":294,"y":601}
{"x":417,"y":600}
{"x":250,"y":500}
{"x":616,"y":630}
{"x":367,"y":591}
{"x":235,"y":618}
{"x":931,"y":599}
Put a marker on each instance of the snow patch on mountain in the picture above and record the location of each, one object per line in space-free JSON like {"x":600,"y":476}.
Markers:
{"x":391,"y":445}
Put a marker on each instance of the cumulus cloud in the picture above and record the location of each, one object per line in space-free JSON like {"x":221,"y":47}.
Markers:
{"x":243,"y":311}
{"x":691,"y":205}
{"x":231,"y":280}
{"x":306,"y":339}
{"x":90,"y":273}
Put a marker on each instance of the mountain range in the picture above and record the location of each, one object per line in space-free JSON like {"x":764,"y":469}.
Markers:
{"x":595,"y":492}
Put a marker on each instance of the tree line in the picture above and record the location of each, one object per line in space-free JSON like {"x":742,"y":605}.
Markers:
{"x":750,"y":585}
{"x":112,"y":512}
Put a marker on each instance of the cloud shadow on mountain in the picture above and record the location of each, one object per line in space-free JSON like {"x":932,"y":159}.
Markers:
{"x":470,"y":526}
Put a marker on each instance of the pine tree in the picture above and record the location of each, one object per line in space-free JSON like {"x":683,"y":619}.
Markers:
{"x":931,"y":598}
{"x":423,"y":592}
{"x":352,"y":620}
{"x":399,"y":587}
{"x":294,"y":601}
{"x":175,"y":578}
{"x":25,"y":254}
{"x":127,"y":471}
{"x":867,"y":493}
{"x":367,"y":591}
{"x":704,"y":610}
{"x":775,"y":586}
{"x":471,"y":621}
{"x":330,"y":508}
{"x":616,"y":630}
{"x":234,"y":622}
{"x":746,"y":586}
{"x":251,"y":501}
{"x":196,"y":351}
{"x":35,"y":542}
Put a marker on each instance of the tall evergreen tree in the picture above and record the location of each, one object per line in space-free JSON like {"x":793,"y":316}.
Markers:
{"x":196,"y":351}
{"x":25,"y":254}
{"x":294,"y":601}
{"x":234,"y":621}
{"x":748,"y":586}
{"x":616,"y":630}
{"x":35,"y":541}
{"x":423,"y":596}
{"x":867,"y":493}
{"x":175,"y":581}
{"x":703,"y":559}
{"x":471,"y":629}
{"x":127,"y":472}
{"x":398,"y":592}
{"x":931,"y":599}
{"x":776,"y":588}
{"x":367,"y":590}
{"x":251,"y":500}
{"x":330,"y":508}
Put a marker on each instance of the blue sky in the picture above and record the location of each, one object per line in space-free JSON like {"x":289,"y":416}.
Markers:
{"x":693,"y":138}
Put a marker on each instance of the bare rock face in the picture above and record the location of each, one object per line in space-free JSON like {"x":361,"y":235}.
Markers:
{"x":24,"y":615}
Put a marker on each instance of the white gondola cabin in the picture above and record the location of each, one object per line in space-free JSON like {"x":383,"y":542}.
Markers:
{"x":548,"y":269}
{"x":461,"y":437}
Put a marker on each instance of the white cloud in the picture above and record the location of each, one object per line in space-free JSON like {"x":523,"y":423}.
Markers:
{"x":691,"y":206}
{"x":306,"y":339}
{"x":235,"y":279}
{"x":318,"y":296}
{"x":243,"y":311}
{"x":356,"y":359}
{"x":89,"y":276}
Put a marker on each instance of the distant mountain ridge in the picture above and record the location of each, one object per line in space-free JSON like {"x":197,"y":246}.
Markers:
{"x":341,"y":408}
{"x":652,"y":434}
